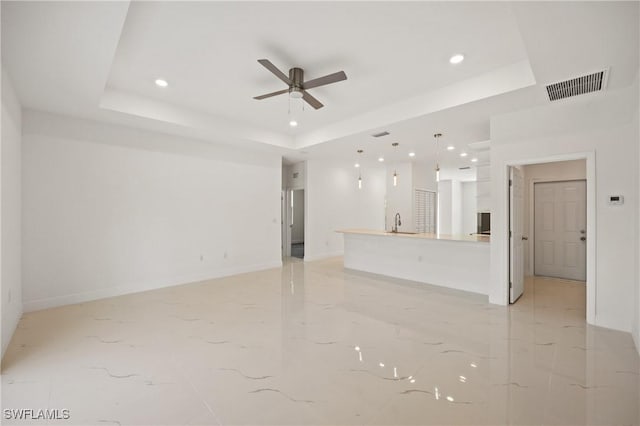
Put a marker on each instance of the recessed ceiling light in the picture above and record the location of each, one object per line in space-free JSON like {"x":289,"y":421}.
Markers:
{"x":356,"y":165}
{"x":161,"y":83}
{"x":451,"y":148}
{"x":381,"y":159}
{"x":412,"y":154}
{"x":474,"y":160}
{"x":456,"y":59}
{"x":463,"y":154}
{"x":293,"y":123}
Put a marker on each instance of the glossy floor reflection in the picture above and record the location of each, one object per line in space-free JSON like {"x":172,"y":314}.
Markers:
{"x":312,"y":343}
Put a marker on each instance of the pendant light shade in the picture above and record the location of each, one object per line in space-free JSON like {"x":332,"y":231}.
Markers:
{"x":437,"y":136}
{"x":359,"y":170}
{"x":395,"y":174}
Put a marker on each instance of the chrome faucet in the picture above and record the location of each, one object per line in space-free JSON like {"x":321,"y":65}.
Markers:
{"x":397,"y":222}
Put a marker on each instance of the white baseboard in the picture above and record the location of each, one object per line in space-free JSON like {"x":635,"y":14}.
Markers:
{"x":320,"y":256}
{"x":13,"y":325}
{"x":70,"y":299}
{"x":613,"y":325}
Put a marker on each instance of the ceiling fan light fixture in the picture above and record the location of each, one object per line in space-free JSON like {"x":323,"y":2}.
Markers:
{"x":457,"y":58}
{"x":296,"y":93}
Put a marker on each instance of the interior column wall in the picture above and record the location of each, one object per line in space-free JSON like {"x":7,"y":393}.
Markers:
{"x":10,"y":211}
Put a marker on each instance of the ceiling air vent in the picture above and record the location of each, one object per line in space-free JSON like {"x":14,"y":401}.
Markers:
{"x":464,"y":168}
{"x":577,"y":86}
{"x":379,"y":135}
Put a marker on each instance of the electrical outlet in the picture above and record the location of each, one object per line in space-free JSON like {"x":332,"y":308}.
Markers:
{"x":201,"y":258}
{"x":9,"y":296}
{"x":225,"y":255}
{"x":419,"y":258}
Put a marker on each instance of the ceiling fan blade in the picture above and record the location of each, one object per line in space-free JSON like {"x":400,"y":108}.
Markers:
{"x":268,"y":65}
{"x":268,"y":95}
{"x":327,"y":79}
{"x":311,"y":100}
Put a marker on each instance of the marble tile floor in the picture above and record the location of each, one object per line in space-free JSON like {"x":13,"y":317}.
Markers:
{"x":312,"y":343}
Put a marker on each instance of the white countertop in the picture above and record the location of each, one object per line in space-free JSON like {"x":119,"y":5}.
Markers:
{"x":468,"y":238}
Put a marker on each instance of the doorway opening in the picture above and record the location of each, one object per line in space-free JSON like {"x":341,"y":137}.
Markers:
{"x":293,"y":200}
{"x":549,"y":225}
{"x":297,"y":223}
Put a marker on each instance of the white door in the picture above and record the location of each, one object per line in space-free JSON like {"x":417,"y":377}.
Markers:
{"x":287,"y":217}
{"x":560,"y":219}
{"x":516,"y":227}
{"x":283,"y":222}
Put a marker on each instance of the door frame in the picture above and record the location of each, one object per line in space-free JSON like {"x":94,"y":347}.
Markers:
{"x":503,"y":180}
{"x":532,"y":216}
{"x":512,"y":236}
{"x":286,"y":219}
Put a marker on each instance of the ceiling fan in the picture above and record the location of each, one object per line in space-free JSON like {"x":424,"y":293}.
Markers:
{"x":297,"y":86}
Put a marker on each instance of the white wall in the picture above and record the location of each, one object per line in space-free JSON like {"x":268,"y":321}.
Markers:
{"x":293,"y":176}
{"x":469,"y":208}
{"x":545,"y":172}
{"x":424,"y":176}
{"x":456,"y":207}
{"x":335,"y":202}
{"x":450,"y":214}
{"x":10,"y":212}
{"x":444,"y":203}
{"x":103,"y":219}
{"x":483,"y":189}
{"x":599,"y":126}
{"x":400,"y":197}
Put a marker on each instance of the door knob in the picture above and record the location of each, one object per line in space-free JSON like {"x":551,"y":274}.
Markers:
{"x":582,"y":231}
{"x":524,"y":238}
{"x":583,"y":238}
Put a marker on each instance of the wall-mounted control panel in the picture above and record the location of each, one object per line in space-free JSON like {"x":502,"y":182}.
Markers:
{"x":616,"y":200}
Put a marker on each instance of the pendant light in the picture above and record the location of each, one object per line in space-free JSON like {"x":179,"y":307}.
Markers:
{"x":359,"y":172}
{"x":437,"y":137}
{"x":395,"y":174}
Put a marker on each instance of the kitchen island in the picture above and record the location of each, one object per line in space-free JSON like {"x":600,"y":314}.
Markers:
{"x":459,"y":262}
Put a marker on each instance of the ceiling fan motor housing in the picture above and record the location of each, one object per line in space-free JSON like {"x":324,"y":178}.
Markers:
{"x":296,"y":75}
